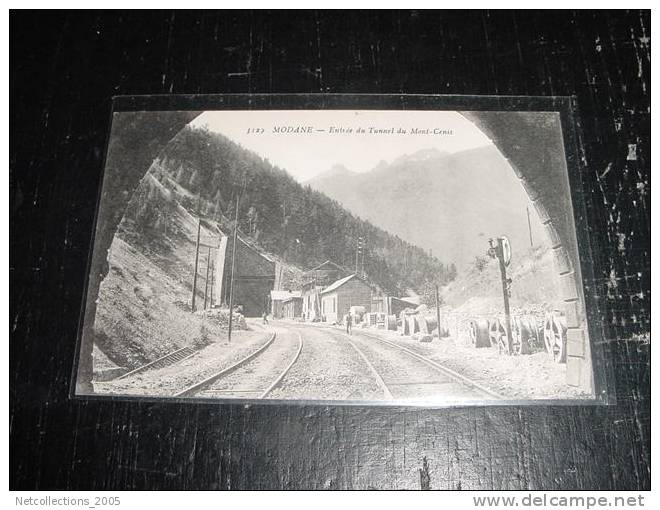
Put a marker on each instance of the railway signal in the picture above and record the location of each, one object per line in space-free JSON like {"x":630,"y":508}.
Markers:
{"x":502,"y":252}
{"x":359,"y":251}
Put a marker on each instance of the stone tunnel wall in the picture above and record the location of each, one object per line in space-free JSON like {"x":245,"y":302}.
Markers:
{"x":135,"y":140}
{"x":533,"y":144}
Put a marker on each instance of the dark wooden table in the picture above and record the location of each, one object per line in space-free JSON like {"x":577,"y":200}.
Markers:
{"x":65,"y":68}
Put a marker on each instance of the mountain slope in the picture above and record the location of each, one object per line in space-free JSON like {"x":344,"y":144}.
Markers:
{"x":280,"y":216}
{"x":448,"y":203}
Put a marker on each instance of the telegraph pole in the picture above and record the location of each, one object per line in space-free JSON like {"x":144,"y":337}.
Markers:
{"x":194,"y":289}
{"x":206,"y":281}
{"x":233,"y":260}
{"x":529,"y":226}
{"x":364,"y":248}
{"x":212,"y":281}
{"x":437,"y":308}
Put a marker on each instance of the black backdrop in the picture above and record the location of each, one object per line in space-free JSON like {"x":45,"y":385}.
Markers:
{"x":63,"y":70}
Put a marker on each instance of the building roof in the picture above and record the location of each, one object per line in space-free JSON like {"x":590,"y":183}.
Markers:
{"x":328,"y":264}
{"x":415,"y":300}
{"x":247,"y":243}
{"x":323,"y":264}
{"x":339,"y":283}
{"x":292,"y":298}
{"x":282,"y":295}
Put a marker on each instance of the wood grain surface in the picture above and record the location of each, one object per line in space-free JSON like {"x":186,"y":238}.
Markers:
{"x":65,"y":68}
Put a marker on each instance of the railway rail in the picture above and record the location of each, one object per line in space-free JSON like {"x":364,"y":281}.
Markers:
{"x":465,"y":381}
{"x":258,"y":374}
{"x":212,"y":386}
{"x":279,"y":379}
{"x":164,"y":361}
{"x":387,"y":393}
{"x":386,"y":369}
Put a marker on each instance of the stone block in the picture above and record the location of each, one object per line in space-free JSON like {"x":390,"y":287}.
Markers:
{"x":550,"y":229}
{"x":568,"y":286}
{"x":574,"y":315}
{"x":542,"y":211}
{"x":575,"y":342}
{"x":574,"y":365}
{"x":562,"y":260}
{"x":530,"y":188}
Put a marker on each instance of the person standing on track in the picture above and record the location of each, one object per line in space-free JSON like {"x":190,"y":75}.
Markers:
{"x":349,"y":323}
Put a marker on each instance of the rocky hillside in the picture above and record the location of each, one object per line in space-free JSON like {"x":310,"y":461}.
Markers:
{"x":143,"y":310}
{"x":477,"y":291}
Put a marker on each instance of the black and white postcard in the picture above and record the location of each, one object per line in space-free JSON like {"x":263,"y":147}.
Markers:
{"x":316,"y":253}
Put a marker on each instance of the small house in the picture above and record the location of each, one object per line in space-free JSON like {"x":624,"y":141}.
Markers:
{"x":277,"y":300}
{"x":314,"y":281}
{"x":292,"y":307}
{"x":337,"y":299}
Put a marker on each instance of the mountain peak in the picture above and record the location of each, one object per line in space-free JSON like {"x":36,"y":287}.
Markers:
{"x":336,"y":171}
{"x":421,"y":155}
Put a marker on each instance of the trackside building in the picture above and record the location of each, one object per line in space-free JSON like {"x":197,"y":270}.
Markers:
{"x":337,"y":299}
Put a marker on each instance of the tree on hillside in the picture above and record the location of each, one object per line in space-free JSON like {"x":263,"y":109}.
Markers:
{"x":150,"y":213}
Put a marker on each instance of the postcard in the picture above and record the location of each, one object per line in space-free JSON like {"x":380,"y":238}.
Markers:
{"x":385,"y":250}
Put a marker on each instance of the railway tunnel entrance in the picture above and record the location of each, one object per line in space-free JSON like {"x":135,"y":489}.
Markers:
{"x":531,"y":142}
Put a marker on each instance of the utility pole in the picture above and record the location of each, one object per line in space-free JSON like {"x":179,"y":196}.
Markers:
{"x":206,"y":281}
{"x":233,"y":265}
{"x":212,"y":281}
{"x":529,"y":226}
{"x":194,"y":289}
{"x":437,"y":308}
{"x":284,"y":223}
{"x":364,"y":248}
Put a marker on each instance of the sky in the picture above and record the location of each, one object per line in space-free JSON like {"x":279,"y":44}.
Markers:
{"x":331,"y":137}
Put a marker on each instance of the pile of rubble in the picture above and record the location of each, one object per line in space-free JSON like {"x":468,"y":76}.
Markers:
{"x":221,"y":316}
{"x":420,"y":323}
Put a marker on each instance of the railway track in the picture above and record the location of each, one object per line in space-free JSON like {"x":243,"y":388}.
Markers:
{"x":230,"y":382}
{"x":164,"y":361}
{"x":412,"y":377}
{"x":387,"y":393}
{"x":458,"y":378}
